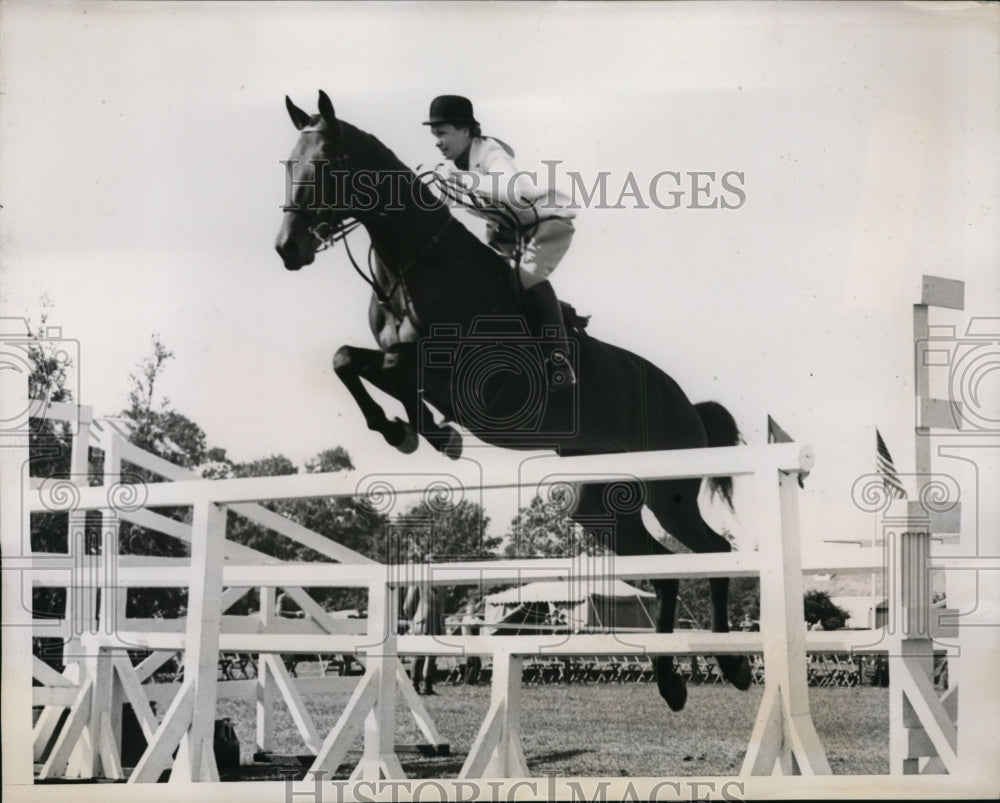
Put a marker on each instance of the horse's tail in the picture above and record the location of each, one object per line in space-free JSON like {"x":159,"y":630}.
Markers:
{"x":721,"y":429}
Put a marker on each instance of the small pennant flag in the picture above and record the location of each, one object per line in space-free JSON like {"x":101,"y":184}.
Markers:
{"x":886,"y":468}
{"x":775,"y":434}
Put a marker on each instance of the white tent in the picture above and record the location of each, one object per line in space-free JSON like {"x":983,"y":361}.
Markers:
{"x":570,"y":605}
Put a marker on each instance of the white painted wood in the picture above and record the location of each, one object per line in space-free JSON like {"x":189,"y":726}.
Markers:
{"x":62,"y":411}
{"x":201,"y":660}
{"x":920,"y":694}
{"x":79,"y":462}
{"x":378,"y":758}
{"x":941,"y":292}
{"x":672,"y":464}
{"x":78,"y":766}
{"x":246,"y":690}
{"x":173,"y":572}
{"x":176,"y":721}
{"x":113,"y":599}
{"x":496,"y":751}
{"x":939,"y":414}
{"x":233,"y":625}
{"x":135,"y":695}
{"x":108,"y":750}
{"x":316,"y":541}
{"x":58,"y":696}
{"x":767,"y":742}
{"x":296,"y":705}
{"x":485,"y":744}
{"x":252,"y":512}
{"x":48,"y":720}
{"x":343,"y":735}
{"x":231,"y":596}
{"x":45,"y":726}
{"x":265,"y":687}
{"x":99,"y":667}
{"x":783,"y":632}
{"x":44,"y":673}
{"x":412,"y":701}
{"x":690,"y":642}
{"x":509,"y":758}
{"x":145,"y":668}
{"x":318,"y":614}
{"x":181,"y":531}
{"x":70,"y":734}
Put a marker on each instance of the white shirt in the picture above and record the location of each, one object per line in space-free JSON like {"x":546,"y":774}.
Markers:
{"x":493,"y":176}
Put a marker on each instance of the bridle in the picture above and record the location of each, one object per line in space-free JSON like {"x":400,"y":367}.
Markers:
{"x":328,"y":234}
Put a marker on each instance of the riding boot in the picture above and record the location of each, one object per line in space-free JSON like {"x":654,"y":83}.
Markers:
{"x":546,"y":315}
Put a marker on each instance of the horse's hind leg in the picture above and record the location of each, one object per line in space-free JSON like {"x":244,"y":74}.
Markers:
{"x":675,"y":505}
{"x":600,"y":517}
{"x":671,"y":684}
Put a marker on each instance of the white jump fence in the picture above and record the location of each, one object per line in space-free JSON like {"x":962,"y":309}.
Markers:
{"x":101,"y":678}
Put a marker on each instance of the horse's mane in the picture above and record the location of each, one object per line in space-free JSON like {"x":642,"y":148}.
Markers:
{"x":355,"y":137}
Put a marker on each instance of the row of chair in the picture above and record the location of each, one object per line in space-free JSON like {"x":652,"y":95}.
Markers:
{"x":823,"y":669}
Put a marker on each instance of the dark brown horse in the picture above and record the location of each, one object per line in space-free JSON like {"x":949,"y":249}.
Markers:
{"x":449,"y":323}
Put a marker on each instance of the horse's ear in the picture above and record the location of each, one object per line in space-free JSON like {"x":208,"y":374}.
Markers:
{"x":326,"y":111}
{"x":299,"y":118}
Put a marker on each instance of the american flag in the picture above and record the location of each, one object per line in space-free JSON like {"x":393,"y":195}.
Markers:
{"x":885,"y":466}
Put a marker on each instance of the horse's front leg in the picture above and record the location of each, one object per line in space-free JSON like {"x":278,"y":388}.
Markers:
{"x":400,"y":370}
{"x":351,"y":364}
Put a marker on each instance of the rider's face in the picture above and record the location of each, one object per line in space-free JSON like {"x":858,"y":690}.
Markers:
{"x":451,"y":141}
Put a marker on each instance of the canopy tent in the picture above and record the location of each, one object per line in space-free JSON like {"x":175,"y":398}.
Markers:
{"x":568,"y":605}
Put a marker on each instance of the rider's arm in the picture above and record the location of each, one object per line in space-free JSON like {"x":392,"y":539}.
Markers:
{"x":497,"y":179}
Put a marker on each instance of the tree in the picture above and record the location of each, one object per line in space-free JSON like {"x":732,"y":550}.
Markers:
{"x":446,"y":531}
{"x":543,"y":529}
{"x":157,"y":428}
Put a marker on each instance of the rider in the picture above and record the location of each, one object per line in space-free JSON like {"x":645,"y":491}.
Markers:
{"x":487,"y":168}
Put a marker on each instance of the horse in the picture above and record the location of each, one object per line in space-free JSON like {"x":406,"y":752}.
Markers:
{"x":449,"y":321}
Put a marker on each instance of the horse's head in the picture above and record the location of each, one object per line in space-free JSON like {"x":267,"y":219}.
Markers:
{"x":320,"y":197}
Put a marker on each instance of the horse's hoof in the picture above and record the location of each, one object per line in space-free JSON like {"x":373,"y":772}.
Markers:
{"x":736,"y":669}
{"x":408,"y":441}
{"x":672,"y":687}
{"x":453,"y":447}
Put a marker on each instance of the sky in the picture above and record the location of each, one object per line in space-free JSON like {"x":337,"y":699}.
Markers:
{"x":141,"y":186}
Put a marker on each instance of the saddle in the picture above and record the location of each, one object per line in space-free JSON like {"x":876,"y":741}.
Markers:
{"x":575,"y":322}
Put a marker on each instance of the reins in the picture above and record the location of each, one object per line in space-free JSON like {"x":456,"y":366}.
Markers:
{"x":329,"y":234}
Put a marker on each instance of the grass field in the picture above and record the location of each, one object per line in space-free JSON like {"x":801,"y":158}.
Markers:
{"x":607,"y":730}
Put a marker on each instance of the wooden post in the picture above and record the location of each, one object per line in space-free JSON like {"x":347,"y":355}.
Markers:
{"x":201,"y":658}
{"x":379,"y":758}
{"x":113,"y":607}
{"x":783,"y":737}
{"x":265,"y":686}
{"x":924,"y":738}
{"x":496,"y":751}
{"x":16,"y":755}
